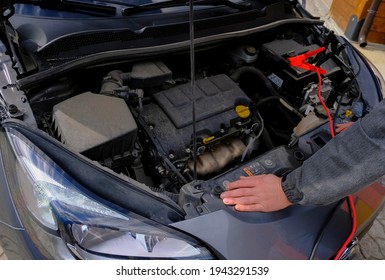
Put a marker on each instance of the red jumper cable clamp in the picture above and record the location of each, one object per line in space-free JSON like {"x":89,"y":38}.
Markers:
{"x":300,"y":61}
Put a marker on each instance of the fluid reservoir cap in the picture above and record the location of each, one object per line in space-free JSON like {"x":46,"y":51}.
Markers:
{"x":250,"y":50}
{"x":348,"y":113}
{"x":242,"y":111}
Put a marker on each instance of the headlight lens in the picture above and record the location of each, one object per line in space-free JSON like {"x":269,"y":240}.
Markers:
{"x":86,"y":224}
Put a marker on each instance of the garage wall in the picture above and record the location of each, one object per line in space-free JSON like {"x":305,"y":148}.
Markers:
{"x":350,"y":15}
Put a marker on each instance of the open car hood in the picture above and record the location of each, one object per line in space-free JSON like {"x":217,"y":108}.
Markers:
{"x":77,"y":35}
{"x":105,"y":103}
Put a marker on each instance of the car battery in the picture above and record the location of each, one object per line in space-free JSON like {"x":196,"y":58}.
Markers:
{"x":287,"y":78}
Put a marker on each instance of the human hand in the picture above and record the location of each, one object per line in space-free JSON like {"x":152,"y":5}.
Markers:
{"x":262,"y":193}
{"x":341,"y":127}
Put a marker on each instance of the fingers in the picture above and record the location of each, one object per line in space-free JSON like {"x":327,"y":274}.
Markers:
{"x":261,"y":193}
{"x":341,"y":127}
{"x":245,"y":193}
{"x":244,"y":204}
{"x":244,"y":200}
{"x":239,"y":191}
{"x":250,"y":208}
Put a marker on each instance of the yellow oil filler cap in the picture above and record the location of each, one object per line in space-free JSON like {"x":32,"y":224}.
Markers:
{"x":242,"y":111}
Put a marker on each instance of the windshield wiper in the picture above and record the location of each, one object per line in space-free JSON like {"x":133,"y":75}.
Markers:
{"x":71,"y":4}
{"x":245,"y":5}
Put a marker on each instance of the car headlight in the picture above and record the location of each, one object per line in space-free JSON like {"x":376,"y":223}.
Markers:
{"x":53,"y":203}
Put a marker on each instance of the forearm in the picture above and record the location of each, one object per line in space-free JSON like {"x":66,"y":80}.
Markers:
{"x":351,"y":161}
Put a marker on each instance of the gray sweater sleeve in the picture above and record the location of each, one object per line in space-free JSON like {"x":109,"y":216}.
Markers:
{"x":352,"y":160}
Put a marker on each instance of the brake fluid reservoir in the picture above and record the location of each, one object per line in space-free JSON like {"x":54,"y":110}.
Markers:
{"x":245,"y":54}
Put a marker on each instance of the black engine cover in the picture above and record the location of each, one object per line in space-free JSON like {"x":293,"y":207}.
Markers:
{"x":171,"y":116}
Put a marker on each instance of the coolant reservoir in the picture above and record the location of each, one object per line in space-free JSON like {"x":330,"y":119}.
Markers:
{"x":308,"y":123}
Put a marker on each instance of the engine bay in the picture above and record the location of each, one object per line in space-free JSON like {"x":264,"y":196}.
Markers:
{"x":137,"y":118}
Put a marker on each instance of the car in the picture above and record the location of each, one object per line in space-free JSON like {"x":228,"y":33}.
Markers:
{"x":122,"y":122}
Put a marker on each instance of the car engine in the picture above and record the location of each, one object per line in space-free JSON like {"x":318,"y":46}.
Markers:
{"x":147,"y":120}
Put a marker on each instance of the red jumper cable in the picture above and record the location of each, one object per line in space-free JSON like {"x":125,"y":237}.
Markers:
{"x":300,"y":62}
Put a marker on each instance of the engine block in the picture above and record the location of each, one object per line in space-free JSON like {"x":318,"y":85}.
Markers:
{"x":170,"y":117}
